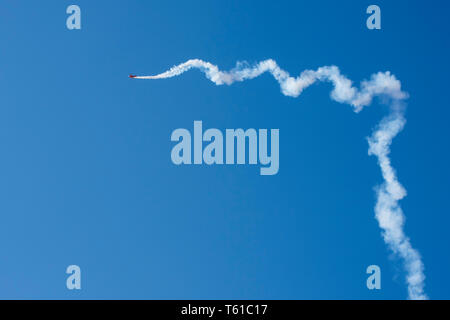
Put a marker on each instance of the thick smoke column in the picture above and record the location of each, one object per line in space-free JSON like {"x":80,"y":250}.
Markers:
{"x":387,"y":210}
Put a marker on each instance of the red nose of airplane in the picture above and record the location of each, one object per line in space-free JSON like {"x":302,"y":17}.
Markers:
{"x":132,"y":76}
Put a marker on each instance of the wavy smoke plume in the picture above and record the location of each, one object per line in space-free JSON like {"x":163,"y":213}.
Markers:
{"x":388,"y":212}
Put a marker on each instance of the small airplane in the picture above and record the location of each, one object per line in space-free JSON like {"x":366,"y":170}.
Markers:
{"x":132,"y":76}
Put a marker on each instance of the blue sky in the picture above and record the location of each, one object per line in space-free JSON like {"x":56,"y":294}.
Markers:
{"x":86,"y":176}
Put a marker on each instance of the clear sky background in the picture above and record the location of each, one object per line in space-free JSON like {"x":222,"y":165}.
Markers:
{"x":85,"y":170}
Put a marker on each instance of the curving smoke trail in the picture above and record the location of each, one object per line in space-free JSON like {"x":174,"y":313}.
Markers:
{"x":387,"y":209}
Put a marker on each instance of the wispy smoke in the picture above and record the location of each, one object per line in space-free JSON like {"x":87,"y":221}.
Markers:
{"x":387,"y":210}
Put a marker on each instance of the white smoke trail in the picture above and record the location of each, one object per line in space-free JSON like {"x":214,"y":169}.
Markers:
{"x":387,"y":210}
